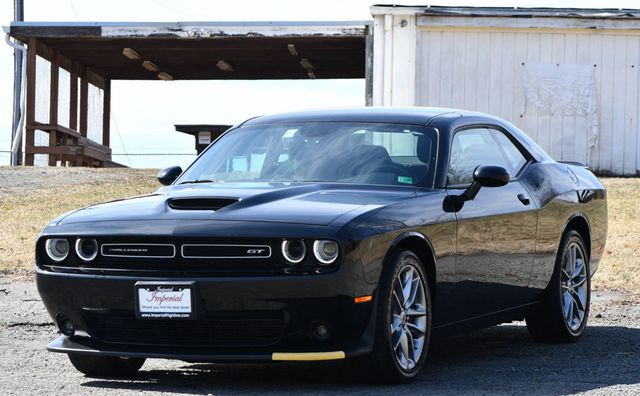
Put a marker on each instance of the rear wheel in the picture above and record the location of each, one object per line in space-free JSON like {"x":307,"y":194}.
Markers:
{"x":105,"y":366}
{"x":562,"y":317}
{"x":403,"y":324}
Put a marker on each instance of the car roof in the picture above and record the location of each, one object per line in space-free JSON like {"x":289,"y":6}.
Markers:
{"x":444,"y":119}
{"x":403,"y":115}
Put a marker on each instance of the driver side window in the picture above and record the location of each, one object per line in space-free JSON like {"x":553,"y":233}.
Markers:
{"x":481,"y":146}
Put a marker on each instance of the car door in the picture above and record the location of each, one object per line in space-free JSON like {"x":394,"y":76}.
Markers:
{"x":496,"y":231}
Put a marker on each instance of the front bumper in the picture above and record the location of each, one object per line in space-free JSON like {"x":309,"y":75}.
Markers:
{"x":236,"y":318}
{"x":89,"y":346}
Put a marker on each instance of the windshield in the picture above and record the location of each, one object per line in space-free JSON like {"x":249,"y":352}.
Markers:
{"x":344,"y":152}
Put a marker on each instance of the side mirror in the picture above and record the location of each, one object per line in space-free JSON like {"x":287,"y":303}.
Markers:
{"x":169,"y":175}
{"x":491,"y":176}
{"x":483,"y":176}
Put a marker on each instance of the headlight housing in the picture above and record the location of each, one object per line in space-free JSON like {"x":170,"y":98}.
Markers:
{"x":326,"y":252}
{"x":293,"y":250}
{"x":86,"y":249}
{"x":57,"y":249}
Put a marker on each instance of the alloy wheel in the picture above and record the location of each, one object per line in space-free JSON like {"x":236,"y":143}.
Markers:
{"x":574,"y":286}
{"x":408,"y":321}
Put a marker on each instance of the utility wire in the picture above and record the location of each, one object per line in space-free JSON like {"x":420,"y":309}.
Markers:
{"x":174,"y":7}
{"x":153,"y":154}
{"x":115,"y":124}
{"x":73,"y":8}
{"x":130,"y":154}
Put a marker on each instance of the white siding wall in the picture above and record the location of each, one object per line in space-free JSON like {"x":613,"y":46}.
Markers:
{"x":482,"y":69}
{"x":394,"y":57}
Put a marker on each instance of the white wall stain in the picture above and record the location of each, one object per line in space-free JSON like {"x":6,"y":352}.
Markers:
{"x":562,"y":89}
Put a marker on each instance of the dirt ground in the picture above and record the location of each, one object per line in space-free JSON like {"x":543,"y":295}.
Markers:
{"x":496,"y":361}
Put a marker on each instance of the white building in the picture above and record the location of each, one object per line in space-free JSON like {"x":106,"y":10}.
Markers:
{"x":569,"y":78}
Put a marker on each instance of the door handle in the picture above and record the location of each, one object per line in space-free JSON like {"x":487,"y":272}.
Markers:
{"x":524,"y":198}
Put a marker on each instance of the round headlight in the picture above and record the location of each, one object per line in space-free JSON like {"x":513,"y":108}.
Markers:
{"x":326,"y":252}
{"x":293,"y":250}
{"x":57,"y":249}
{"x":86,"y":249}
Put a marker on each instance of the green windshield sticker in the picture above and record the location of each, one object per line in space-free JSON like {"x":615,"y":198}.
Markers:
{"x":405,"y":179}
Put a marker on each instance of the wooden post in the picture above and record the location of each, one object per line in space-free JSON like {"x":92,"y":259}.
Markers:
{"x":53,"y":105}
{"x":106,"y":114}
{"x":84,"y":100}
{"x":31,"y":100}
{"x":73,"y":96}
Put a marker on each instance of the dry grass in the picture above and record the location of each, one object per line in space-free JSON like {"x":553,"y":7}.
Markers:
{"x":620,"y":267}
{"x":30,"y":197}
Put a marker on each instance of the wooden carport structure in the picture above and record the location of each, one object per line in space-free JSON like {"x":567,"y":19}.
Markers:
{"x":94,"y":54}
{"x":204,"y":133}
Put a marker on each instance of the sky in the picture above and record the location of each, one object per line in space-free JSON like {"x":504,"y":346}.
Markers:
{"x":144,"y":112}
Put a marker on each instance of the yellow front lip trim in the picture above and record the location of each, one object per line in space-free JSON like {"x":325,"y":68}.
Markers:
{"x":307,"y":356}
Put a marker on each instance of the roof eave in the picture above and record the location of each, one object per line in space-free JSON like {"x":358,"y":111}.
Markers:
{"x":182,"y":30}
{"x":512,"y":12}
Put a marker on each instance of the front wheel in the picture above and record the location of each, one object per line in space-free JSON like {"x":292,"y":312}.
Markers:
{"x":105,"y":366}
{"x":562,"y":317}
{"x":403,"y":320}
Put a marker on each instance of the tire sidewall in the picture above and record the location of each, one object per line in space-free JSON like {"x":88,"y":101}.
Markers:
{"x":400,"y":260}
{"x":570,"y":237}
{"x":105,"y":366}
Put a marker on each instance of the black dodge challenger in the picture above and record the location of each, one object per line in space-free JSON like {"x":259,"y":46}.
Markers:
{"x":328,"y":235}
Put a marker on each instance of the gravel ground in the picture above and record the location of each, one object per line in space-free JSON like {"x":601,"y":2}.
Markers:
{"x":499,"y":360}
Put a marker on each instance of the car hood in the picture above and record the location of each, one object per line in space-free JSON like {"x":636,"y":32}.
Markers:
{"x":302,"y":203}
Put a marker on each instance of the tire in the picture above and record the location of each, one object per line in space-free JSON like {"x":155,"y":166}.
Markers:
{"x":106,"y":366}
{"x":409,"y":316}
{"x":563,"y":314}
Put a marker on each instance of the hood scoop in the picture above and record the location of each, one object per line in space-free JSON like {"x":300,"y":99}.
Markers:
{"x":201,"y":203}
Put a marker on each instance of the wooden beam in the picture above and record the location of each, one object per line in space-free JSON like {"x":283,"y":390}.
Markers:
{"x":57,"y":150}
{"x":95,"y":153}
{"x":50,"y":52}
{"x":84,"y":101}
{"x":96,"y":79}
{"x":64,"y":62}
{"x":106,"y":115}
{"x":31,"y":99}
{"x":58,"y":128}
{"x":73,"y":96}
{"x":56,"y":31}
{"x":44,"y":51}
{"x":53,"y":105}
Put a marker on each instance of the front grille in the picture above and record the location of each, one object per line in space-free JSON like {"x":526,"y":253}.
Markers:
{"x":138,"y":250}
{"x":179,"y":256}
{"x":220,"y":331}
{"x":225,"y":251}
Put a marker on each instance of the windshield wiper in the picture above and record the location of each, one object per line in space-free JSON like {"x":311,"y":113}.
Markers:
{"x":199,"y":181}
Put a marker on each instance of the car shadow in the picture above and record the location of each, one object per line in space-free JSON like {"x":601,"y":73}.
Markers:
{"x":500,"y":359}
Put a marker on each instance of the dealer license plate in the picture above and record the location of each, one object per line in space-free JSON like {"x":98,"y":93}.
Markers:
{"x":165,"y":301}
